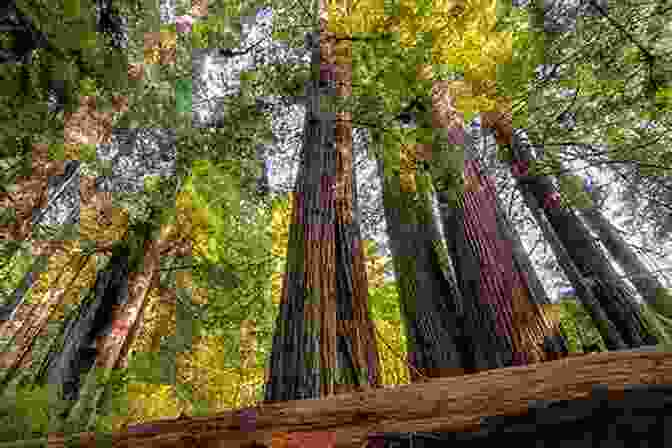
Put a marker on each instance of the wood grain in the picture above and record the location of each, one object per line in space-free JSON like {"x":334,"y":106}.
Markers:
{"x":443,"y":404}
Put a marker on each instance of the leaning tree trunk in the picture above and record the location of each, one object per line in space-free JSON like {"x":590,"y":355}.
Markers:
{"x":532,"y":330}
{"x":324,"y":341}
{"x":597,"y":281}
{"x":61,"y":185}
{"x":651,"y":289}
{"x":86,"y":125}
{"x":112,"y":345}
{"x":55,"y":285}
{"x":71,"y":269}
{"x":31,"y":331}
{"x":92,"y":319}
{"x":30,"y":192}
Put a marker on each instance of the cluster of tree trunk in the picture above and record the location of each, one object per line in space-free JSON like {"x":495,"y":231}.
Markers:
{"x":647,"y":284}
{"x":609,"y":300}
{"x":481,"y":307}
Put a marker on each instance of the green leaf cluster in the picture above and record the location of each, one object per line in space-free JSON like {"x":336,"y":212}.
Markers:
{"x":215,"y":32}
{"x":573,"y":193}
{"x":578,"y":327}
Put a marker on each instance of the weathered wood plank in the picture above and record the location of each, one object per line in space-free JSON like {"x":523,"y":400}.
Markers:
{"x":443,"y":404}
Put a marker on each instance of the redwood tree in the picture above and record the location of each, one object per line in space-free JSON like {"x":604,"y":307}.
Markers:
{"x":508,"y":295}
{"x":648,"y":285}
{"x":507,"y":323}
{"x":597,"y":277}
{"x":432,"y":305}
{"x":324,"y":339}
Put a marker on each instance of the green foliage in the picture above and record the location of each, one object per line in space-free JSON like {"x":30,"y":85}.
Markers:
{"x":663,"y":304}
{"x":215,"y":32}
{"x":384,"y":302}
{"x":88,"y":87}
{"x":28,"y":412}
{"x":14,"y":266}
{"x":183,"y":95}
{"x":578,"y":326}
{"x":72,"y":8}
{"x":655,"y":324}
{"x":154,"y":368}
{"x":236,"y":266}
{"x":573,"y":193}
{"x":513,"y":79}
{"x":664,"y":99}
{"x":114,"y":401}
{"x":447,"y":164}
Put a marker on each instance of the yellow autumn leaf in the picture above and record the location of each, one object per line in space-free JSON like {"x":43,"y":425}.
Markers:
{"x":463,"y":35}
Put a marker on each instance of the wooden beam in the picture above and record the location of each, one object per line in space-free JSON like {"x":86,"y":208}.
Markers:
{"x":442,"y":404}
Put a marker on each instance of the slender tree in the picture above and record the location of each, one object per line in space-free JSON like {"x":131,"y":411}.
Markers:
{"x":59,"y":186}
{"x":611,"y":292}
{"x":648,"y":285}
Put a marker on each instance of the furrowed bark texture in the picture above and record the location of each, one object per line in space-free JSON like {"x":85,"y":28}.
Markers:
{"x":324,"y":338}
{"x":30,"y":319}
{"x":610,"y":291}
{"x":431,"y":304}
{"x":357,"y":350}
{"x":554,"y":343}
{"x":78,"y":353}
{"x":528,"y":322}
{"x":112,"y":345}
{"x":648,"y":285}
{"x":507,"y":323}
{"x":487,"y":340}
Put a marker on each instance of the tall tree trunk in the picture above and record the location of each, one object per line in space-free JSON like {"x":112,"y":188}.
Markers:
{"x":88,"y":126}
{"x":30,"y":323}
{"x":651,"y":289}
{"x":592,"y":265}
{"x":35,"y":329}
{"x":554,"y":342}
{"x":93,"y":319}
{"x":112,"y":346}
{"x":490,"y":344}
{"x":324,"y":341}
{"x":513,"y":325}
{"x":432,"y":306}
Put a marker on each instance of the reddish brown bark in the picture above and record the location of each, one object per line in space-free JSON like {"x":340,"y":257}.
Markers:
{"x":443,"y":404}
{"x":324,"y":340}
{"x":503,"y":290}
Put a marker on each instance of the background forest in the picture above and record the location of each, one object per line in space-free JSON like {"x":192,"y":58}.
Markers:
{"x":157,"y":144}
